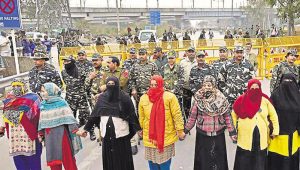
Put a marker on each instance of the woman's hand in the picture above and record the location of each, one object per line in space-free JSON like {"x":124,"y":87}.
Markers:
{"x":81,"y":133}
{"x":181,"y":135}
{"x":140,"y":133}
{"x":2,"y":130}
{"x":234,"y":138}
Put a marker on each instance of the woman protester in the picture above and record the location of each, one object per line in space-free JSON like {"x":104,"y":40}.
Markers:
{"x":58,"y":127}
{"x":118,"y":123}
{"x":162,"y":124}
{"x":211,"y":110}
{"x":284,"y":149}
{"x":251,"y":114}
{"x":21,"y":112}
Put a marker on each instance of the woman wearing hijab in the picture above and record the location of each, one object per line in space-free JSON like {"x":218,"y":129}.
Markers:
{"x":58,"y":127}
{"x":162,"y":124}
{"x":21,"y":113}
{"x":250,"y":116}
{"x":284,"y":149}
{"x":118,"y":124}
{"x":211,"y":110}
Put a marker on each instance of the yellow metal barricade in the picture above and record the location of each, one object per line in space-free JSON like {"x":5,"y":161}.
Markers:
{"x":270,"y":51}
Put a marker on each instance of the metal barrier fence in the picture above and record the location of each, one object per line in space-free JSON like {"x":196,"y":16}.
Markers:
{"x":270,"y":51}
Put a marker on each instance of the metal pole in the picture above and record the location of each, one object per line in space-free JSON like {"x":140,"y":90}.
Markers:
{"x":107,"y":4}
{"x":211,"y":3}
{"x":147,"y":4}
{"x":118,"y":18}
{"x":218,"y":12}
{"x":157,"y":3}
{"x":15,"y":51}
{"x":181,"y":3}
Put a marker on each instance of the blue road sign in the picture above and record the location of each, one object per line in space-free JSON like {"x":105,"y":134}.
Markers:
{"x":155,"y":17}
{"x":10,"y":17}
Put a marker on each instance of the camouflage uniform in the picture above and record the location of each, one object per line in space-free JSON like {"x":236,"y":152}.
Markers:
{"x":279,"y":70}
{"x":217,"y":65}
{"x":173,"y":79}
{"x":121,"y":74}
{"x":127,"y":65}
{"x":93,"y":85}
{"x":197,"y":75}
{"x":84,"y":68}
{"x":76,"y":95}
{"x":140,"y":76}
{"x":160,"y":63}
{"x":233,"y":78}
{"x":37,"y":77}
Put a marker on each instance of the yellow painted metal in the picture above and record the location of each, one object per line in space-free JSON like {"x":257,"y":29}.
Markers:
{"x":270,"y":50}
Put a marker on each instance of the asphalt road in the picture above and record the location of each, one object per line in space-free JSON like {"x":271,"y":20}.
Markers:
{"x":90,"y":158}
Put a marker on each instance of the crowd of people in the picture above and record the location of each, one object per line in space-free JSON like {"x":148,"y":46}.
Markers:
{"x":158,"y":102}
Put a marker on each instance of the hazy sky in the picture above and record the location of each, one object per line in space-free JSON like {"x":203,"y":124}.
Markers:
{"x":162,"y":3}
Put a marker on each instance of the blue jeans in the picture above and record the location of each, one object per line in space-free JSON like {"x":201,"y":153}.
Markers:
{"x":163,"y":166}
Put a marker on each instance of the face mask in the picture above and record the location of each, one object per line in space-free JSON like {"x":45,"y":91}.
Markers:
{"x":17,"y":91}
{"x":254,"y":94}
{"x":68,"y":66}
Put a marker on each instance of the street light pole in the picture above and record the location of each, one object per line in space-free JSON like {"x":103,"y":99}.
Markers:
{"x":118,"y":18}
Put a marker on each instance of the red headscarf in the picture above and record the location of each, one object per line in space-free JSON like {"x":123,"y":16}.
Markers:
{"x":248,"y":104}
{"x":157,"y":116}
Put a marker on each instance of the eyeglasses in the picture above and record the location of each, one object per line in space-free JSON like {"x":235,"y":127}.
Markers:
{"x":171,"y":58}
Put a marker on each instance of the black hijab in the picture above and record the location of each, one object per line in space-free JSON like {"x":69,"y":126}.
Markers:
{"x":108,"y":103}
{"x":72,"y":69}
{"x":286,"y":100}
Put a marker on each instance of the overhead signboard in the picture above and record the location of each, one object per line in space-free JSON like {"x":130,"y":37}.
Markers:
{"x":155,"y":17}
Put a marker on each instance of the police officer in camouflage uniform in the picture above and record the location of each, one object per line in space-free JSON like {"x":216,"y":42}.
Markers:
{"x":83,"y":64}
{"x":42,"y":72}
{"x":173,"y":75}
{"x":199,"y":71}
{"x":92,"y":81}
{"x":235,"y":74}
{"x":127,"y":65}
{"x":223,"y":54}
{"x":115,"y":71}
{"x":75,"y":91}
{"x":161,"y":60}
{"x":140,"y":74}
{"x":285,"y":67}
{"x":92,"y":84}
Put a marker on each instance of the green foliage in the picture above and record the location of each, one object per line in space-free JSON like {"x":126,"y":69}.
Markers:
{"x":288,"y":10}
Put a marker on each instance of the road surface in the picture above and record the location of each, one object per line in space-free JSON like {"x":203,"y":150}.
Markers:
{"x":90,"y":158}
